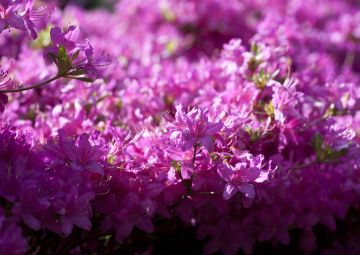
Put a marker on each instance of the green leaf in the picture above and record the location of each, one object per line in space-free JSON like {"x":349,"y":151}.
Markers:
{"x":63,"y":66}
{"x":75,"y":56}
{"x":334,"y":162}
{"x":253,"y":47}
{"x":318,"y":141}
{"x":81,"y":79}
{"x":53,"y":58}
{"x":77,"y":72}
{"x":339,"y":154}
{"x":62,"y":52}
{"x":262,"y":72}
{"x":258,"y":49}
{"x":249,"y":77}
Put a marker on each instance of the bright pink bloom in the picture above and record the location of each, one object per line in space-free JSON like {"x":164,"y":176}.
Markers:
{"x":193,"y":127}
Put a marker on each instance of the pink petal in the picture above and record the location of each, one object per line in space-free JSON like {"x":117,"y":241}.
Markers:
{"x":229,"y":191}
{"x":197,"y":182}
{"x":153,"y":189}
{"x":144,"y":224}
{"x":123,"y":229}
{"x":76,"y":166}
{"x":252,"y":175}
{"x":328,"y":220}
{"x":72,"y":152}
{"x":266,"y":234}
{"x":2,"y":25}
{"x":247,"y":190}
{"x":107,"y":223}
{"x":82,"y":222}
{"x":17,"y":22}
{"x":212,"y":246}
{"x":71,"y":195}
{"x":147,"y":206}
{"x":207,"y":142}
{"x":189,"y":141}
{"x":174,"y":153}
{"x":57,"y":37}
{"x":264,"y":176}
{"x":72,"y":34}
{"x":91,"y":69}
{"x":283,"y":236}
{"x":94,"y":167}
{"x":213,"y":127}
{"x":66,"y":224}
{"x":31,"y":221}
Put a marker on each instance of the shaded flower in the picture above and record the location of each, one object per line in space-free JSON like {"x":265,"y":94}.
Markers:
{"x":75,"y":209}
{"x":84,"y":156}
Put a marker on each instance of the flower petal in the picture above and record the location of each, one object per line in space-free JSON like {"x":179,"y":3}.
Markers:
{"x":82,"y":222}
{"x":94,"y":167}
{"x":229,"y":191}
{"x":189,"y":141}
{"x":213,"y":127}
{"x":207,"y":142}
{"x":246,"y":189}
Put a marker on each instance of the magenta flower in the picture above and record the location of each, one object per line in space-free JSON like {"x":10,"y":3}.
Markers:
{"x":275,"y":223}
{"x":11,"y":178}
{"x":75,"y":209}
{"x":240,"y":177}
{"x":285,"y":101}
{"x":3,"y":97}
{"x":67,"y":39}
{"x":92,"y":62}
{"x":3,"y":102}
{"x":30,"y":15}
{"x":185,"y":159}
{"x":9,"y":16}
{"x":57,"y":149}
{"x":84,"y":156}
{"x":30,"y":204}
{"x":11,"y":240}
{"x":238,"y":180}
{"x":71,"y":55}
{"x":125,"y":215}
{"x":194,"y":127}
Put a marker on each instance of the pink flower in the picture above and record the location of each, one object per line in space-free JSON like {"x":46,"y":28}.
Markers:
{"x":84,"y":156}
{"x":75,"y":209}
{"x":194,"y":127}
{"x":240,"y":177}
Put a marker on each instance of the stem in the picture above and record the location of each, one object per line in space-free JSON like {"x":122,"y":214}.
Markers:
{"x":324,"y":117}
{"x":304,"y":165}
{"x":349,"y":59}
{"x":172,"y":207}
{"x":194,"y":154}
{"x":207,"y":192}
{"x":32,"y":87}
{"x":262,"y":113}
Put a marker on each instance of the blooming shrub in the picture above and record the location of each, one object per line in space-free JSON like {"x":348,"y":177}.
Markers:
{"x":235,"y":122}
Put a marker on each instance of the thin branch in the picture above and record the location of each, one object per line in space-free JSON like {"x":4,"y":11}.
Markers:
{"x":304,"y":165}
{"x":32,"y":87}
{"x":207,"y":192}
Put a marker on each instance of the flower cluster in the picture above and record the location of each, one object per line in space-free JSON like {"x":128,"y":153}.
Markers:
{"x":236,"y":123}
{"x":12,"y":17}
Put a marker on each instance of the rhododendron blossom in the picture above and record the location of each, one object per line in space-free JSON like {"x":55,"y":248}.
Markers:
{"x":219,"y":127}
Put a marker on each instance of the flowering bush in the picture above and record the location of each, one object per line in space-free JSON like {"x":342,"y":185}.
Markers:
{"x":203,"y":126}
